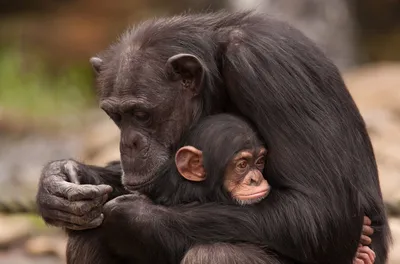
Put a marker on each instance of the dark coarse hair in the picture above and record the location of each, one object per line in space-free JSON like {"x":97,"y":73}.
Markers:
{"x":219,"y":137}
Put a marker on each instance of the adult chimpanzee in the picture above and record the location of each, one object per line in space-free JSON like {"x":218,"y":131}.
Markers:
{"x":221,"y":160}
{"x":165,"y":74}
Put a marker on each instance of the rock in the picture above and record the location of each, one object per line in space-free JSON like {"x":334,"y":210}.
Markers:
{"x":376,"y":90}
{"x":13,"y":229}
{"x":17,"y":256}
{"x":394,"y":256}
{"x":47,"y":245}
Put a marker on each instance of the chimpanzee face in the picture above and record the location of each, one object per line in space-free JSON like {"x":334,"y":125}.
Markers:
{"x":151,"y":103}
{"x":243,"y":177}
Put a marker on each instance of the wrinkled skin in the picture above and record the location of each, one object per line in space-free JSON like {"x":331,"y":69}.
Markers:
{"x":69,"y":200}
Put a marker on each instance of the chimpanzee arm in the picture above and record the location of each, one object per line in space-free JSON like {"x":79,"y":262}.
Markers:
{"x":72,"y":194}
{"x":307,"y":229}
{"x":297,"y":100}
{"x":315,"y":135}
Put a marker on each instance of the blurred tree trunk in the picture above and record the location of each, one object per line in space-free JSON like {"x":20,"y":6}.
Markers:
{"x":379,"y":29}
{"x":329,"y":23}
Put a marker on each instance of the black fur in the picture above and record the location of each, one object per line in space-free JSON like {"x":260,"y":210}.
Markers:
{"x":219,"y":137}
{"x":320,"y":160}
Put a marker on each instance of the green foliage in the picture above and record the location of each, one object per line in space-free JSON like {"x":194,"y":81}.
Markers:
{"x":29,"y":88}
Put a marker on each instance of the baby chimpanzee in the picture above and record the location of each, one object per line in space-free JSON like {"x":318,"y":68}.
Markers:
{"x":243,"y":166}
{"x":220,"y":160}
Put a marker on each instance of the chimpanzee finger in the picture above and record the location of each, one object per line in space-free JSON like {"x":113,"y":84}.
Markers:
{"x":70,"y":169}
{"x":75,"y":192}
{"x":367,"y":221}
{"x":358,"y":261}
{"x":77,"y":208}
{"x":74,"y":219}
{"x":92,"y":224}
{"x":369,"y":251}
{"x":89,"y":192}
{"x":365,"y":240}
{"x":367,"y":230}
{"x":365,"y":258}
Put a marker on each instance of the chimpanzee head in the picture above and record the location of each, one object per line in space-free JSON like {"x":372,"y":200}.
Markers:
{"x":224,"y":153}
{"x":154,"y":85}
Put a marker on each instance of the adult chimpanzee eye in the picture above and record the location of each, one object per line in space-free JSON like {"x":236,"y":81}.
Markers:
{"x":142,"y":116}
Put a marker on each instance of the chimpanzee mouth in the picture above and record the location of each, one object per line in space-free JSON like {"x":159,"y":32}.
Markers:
{"x":253,"y":198}
{"x":136,"y":187}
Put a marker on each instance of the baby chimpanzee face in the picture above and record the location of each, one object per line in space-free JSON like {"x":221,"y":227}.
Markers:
{"x":224,"y":152}
{"x":243,"y":177}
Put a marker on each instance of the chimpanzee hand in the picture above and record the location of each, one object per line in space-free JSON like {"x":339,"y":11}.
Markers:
{"x":364,"y":255}
{"x":127,"y":208}
{"x":64,"y":202}
{"x":127,"y":204}
{"x":367,"y":231}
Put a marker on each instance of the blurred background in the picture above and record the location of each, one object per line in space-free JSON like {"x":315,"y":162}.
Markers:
{"x":48,"y":106}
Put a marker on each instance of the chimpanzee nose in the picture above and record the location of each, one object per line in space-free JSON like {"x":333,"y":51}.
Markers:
{"x":255,"y":178}
{"x":134,"y":141}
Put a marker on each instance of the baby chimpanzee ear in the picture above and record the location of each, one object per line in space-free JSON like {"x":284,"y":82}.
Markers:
{"x":189,"y":69}
{"x":189,"y":162}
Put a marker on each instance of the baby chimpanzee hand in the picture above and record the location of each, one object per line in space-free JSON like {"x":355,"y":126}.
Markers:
{"x":364,"y":255}
{"x":367,"y":231}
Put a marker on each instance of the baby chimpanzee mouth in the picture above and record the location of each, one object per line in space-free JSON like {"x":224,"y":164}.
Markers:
{"x":261,"y":194}
{"x":251,"y":200}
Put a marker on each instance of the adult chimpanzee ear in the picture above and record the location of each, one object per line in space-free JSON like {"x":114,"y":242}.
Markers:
{"x":189,"y":69}
{"x":189,"y":162}
{"x":96,"y":64}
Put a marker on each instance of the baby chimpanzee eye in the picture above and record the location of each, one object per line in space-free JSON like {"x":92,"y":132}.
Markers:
{"x":260,"y":161}
{"x":242,"y":164}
